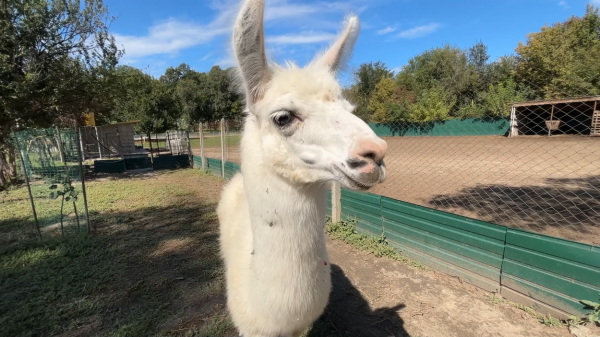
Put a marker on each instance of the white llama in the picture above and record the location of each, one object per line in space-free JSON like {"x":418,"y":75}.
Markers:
{"x":299,"y":135}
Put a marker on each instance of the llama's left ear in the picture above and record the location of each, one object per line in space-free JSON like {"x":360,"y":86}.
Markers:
{"x":338,"y":54}
{"x":249,"y":47}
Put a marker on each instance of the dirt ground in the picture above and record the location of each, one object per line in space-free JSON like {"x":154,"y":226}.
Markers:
{"x":549,"y":185}
{"x":380,"y":297}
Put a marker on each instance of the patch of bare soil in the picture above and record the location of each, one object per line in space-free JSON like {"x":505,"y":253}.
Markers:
{"x":379,"y":297}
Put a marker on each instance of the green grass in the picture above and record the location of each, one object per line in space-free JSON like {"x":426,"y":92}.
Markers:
{"x":547,"y":320}
{"x":346,"y":231}
{"x":209,"y":141}
{"x":152,"y":268}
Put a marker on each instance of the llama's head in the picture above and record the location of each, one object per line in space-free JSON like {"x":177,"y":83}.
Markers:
{"x":308,"y":133}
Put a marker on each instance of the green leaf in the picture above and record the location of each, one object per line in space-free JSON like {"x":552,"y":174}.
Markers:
{"x":591,"y":304}
{"x":53,"y":195}
{"x":59,"y":193}
{"x":52,"y":187}
{"x":592,"y":317}
{"x":68,"y":198}
{"x":74,"y":193}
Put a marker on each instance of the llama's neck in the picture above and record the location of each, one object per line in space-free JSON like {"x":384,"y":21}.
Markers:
{"x":287,"y":220}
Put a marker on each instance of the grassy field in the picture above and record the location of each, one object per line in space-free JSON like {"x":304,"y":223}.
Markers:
{"x":152,"y":269}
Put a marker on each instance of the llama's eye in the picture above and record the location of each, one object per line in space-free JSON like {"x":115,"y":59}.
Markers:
{"x":283,"y":119}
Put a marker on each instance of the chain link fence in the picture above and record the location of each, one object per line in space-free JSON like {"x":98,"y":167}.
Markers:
{"x":221,"y":140}
{"x":233,"y":135}
{"x":50,"y":163}
{"x":537,"y":168}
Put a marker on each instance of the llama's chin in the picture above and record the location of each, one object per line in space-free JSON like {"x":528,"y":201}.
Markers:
{"x":358,"y":184}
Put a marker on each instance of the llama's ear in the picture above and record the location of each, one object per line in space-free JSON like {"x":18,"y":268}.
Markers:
{"x":249,"y":47}
{"x":338,"y":54}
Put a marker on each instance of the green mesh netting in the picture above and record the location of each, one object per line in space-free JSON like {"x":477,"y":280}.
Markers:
{"x":51,"y":162}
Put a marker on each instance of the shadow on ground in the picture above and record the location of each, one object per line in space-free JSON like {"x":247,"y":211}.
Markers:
{"x":154,"y":271}
{"x":349,"y":314}
{"x":569,"y":208}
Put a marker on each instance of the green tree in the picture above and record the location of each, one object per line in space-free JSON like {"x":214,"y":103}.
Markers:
{"x":391,"y":103}
{"x":433,"y":105}
{"x":56,"y":58}
{"x":194,"y":99}
{"x":478,"y":57}
{"x":446,"y":67}
{"x":366,"y":78}
{"x":135,"y":94}
{"x":162,"y":113}
{"x":368,"y":75}
{"x":360,"y":102}
{"x":173,"y":75}
{"x":225,"y":101}
{"x":146,"y":100}
{"x":562,"y":60}
{"x":498,"y":99}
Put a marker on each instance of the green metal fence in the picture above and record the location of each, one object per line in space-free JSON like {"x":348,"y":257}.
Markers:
{"x":551,"y":274}
{"x":452,"y":127}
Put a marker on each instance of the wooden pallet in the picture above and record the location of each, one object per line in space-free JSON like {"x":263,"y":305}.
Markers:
{"x":595,"y":130}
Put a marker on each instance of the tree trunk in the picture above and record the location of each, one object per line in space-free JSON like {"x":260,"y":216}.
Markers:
{"x":62,"y":204}
{"x":76,"y":216}
{"x":5,"y":172}
{"x":12,"y":161}
{"x":2,"y":179}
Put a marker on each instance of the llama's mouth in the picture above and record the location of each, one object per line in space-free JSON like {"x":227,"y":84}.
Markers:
{"x":353,"y":183}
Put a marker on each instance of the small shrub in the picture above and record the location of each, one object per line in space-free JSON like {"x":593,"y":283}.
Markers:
{"x":594,"y":316}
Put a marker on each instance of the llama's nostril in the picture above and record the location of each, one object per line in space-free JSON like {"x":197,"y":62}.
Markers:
{"x":370,"y":155}
{"x":356,"y":163}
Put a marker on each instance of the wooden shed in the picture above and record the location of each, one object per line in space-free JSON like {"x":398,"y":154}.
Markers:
{"x":572,"y":116}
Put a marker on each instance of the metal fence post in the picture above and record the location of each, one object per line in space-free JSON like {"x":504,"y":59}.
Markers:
{"x":189,"y":149}
{"x":37,"y":224}
{"x":60,"y":146}
{"x":336,"y":202}
{"x":82,"y":177}
{"x":202,"y":156}
{"x":223,"y":147}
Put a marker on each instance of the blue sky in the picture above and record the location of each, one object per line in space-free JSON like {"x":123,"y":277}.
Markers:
{"x":157,"y":34}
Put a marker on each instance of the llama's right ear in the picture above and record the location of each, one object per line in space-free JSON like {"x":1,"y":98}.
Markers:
{"x":249,"y":47}
{"x":338,"y":54}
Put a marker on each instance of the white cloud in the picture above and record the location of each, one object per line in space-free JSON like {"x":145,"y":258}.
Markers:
{"x":206,"y":57}
{"x":564,"y":4}
{"x":386,"y":30}
{"x":419,"y":31}
{"x":172,"y":35}
{"x":396,"y":70}
{"x":167,"y":37}
{"x":302,"y":38}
